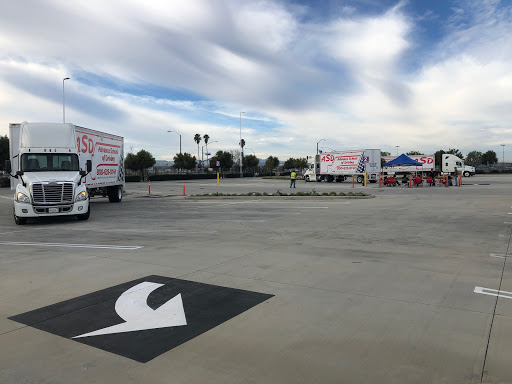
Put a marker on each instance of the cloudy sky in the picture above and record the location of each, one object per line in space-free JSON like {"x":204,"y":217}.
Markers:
{"x":421,"y":74}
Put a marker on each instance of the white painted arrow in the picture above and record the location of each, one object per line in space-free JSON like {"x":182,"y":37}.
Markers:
{"x":133,"y":307}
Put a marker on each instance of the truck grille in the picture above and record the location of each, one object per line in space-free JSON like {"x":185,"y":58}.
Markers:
{"x":52,"y":193}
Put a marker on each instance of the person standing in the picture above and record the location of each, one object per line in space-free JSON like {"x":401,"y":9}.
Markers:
{"x":293,"y":177}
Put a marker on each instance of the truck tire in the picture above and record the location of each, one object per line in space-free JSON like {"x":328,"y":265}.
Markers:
{"x":466,"y":174}
{"x":115,"y":194}
{"x":85,"y":216}
{"x":307,"y":178}
{"x":360,"y":179}
{"x":19,"y":220}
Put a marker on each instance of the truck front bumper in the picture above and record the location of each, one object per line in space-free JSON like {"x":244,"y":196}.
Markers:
{"x":28,"y":210}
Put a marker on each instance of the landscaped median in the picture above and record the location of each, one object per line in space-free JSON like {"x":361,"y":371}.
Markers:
{"x":279,"y":194}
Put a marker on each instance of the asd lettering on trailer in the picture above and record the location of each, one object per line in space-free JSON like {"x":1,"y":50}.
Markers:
{"x":85,"y":144}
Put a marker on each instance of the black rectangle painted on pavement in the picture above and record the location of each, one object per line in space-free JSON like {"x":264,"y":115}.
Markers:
{"x":205,"y":306}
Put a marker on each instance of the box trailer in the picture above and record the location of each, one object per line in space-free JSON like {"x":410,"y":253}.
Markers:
{"x":59,"y":166}
{"x":337,"y":166}
{"x":428,"y":162}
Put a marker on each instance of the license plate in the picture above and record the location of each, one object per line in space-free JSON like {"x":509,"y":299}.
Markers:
{"x":53,"y":210}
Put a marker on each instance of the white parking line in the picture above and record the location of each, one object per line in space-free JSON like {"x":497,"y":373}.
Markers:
{"x":6,"y":197}
{"x":493,"y":292}
{"x":64,"y":245}
{"x":499,"y":255}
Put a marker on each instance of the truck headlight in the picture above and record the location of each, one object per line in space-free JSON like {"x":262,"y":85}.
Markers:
{"x":81,"y":196}
{"x":22,"y":198}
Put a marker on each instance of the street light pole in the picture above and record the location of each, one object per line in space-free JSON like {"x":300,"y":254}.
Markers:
{"x":64,"y":101}
{"x":179,"y":136}
{"x":207,"y":154}
{"x":317,"y":145}
{"x":397,"y":146}
{"x":241,"y":148}
{"x":503,"y":145}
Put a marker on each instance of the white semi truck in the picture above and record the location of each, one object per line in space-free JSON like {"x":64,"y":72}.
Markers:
{"x":450,"y":162}
{"x":337,"y":166}
{"x":58,"y":167}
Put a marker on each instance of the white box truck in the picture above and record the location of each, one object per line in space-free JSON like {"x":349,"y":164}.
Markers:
{"x":58,"y":167}
{"x":337,"y":166}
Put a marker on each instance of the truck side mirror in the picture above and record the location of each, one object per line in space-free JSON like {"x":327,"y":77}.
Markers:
{"x":20,"y":173}
{"x":82,"y":173}
{"x":8,"y":167}
{"x":89,"y":166}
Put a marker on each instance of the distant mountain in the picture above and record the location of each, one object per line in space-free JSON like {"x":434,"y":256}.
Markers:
{"x":164,"y":163}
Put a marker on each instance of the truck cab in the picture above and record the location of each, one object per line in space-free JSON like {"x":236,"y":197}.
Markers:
{"x":450,"y":162}
{"x":47,"y":180}
{"x":313,"y":171}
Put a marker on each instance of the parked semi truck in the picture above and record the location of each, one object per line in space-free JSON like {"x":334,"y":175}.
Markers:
{"x":58,"y":167}
{"x":450,"y":162}
{"x":337,"y":166}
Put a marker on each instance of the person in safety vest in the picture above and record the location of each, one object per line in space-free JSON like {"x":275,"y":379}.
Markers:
{"x":293,"y":177}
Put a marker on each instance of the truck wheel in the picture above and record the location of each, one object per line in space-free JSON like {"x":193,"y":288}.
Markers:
{"x":85,"y":216}
{"x":115,"y":194}
{"x":307,"y":178}
{"x":20,"y":220}
{"x":466,"y":174}
{"x":360,"y":179}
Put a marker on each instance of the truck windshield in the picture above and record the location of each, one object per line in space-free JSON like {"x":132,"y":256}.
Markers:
{"x":46,"y":162}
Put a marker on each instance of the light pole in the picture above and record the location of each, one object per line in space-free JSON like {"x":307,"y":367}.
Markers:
{"x":329,"y":148}
{"x":179,"y":136}
{"x":397,"y":146}
{"x":503,"y":145}
{"x":206,"y":145}
{"x":64,"y":101}
{"x":241,"y":148}
{"x":317,"y":145}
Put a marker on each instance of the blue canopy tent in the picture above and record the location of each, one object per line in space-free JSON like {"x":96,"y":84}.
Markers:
{"x":403,"y":159}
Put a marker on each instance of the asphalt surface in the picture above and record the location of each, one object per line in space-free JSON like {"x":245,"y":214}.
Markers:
{"x":316,"y":290}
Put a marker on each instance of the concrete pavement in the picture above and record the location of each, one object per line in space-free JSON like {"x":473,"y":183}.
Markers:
{"x":378,"y":290}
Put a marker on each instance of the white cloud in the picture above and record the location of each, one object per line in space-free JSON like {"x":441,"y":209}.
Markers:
{"x":343,"y":80}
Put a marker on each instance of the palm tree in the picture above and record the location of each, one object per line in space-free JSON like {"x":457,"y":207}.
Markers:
{"x":197,"y":139}
{"x":206,"y":138}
